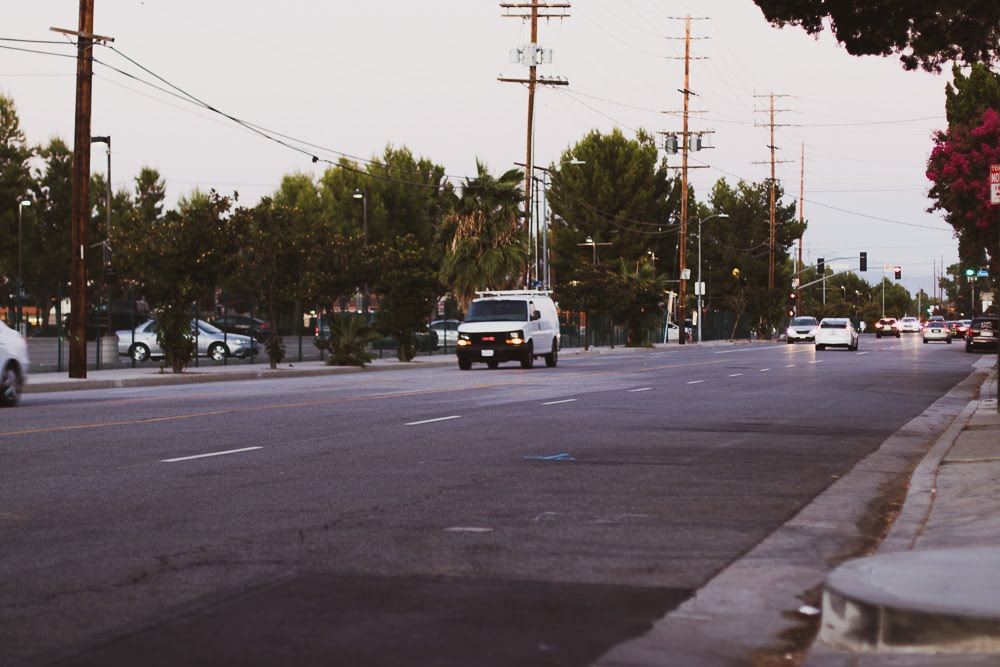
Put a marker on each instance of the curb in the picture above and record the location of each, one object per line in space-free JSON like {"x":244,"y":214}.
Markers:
{"x":907,"y":600}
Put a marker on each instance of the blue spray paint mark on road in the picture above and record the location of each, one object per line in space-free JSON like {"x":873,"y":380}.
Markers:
{"x":554,"y":457}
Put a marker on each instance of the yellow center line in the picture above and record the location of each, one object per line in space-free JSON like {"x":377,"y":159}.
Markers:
{"x":255,"y":408}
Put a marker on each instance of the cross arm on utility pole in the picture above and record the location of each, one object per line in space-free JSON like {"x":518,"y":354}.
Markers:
{"x":85,"y":35}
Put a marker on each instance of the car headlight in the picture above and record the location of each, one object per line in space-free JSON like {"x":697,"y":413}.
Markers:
{"x":516,"y":338}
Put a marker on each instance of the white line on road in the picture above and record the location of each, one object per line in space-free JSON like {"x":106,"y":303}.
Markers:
{"x":205,"y":456}
{"x":735,"y":375}
{"x":565,"y":400}
{"x":632,"y":391}
{"x":468,"y":529}
{"x":789,"y":365}
{"x":818,"y":361}
{"x":695,"y":381}
{"x":430,"y":421}
{"x":764,"y":370}
{"x":860,"y":353}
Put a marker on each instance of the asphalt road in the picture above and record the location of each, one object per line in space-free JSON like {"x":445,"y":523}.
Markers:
{"x":424,"y":517}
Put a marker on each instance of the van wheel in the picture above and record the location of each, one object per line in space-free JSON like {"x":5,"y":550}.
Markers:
{"x":528,"y":360}
{"x":552,"y":358}
{"x":492,"y":364}
{"x":464,"y":364}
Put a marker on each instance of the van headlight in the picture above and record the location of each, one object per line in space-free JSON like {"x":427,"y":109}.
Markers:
{"x":516,"y":338}
{"x":463,"y":340}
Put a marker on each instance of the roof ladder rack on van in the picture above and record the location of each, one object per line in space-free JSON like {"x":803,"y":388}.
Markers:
{"x":513,"y":292}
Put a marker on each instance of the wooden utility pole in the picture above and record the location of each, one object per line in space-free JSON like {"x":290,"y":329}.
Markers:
{"x":802,"y":220}
{"x":85,"y":39}
{"x":772,"y":235}
{"x":532,"y":56}
{"x":688,"y":141}
{"x":81,"y":192}
{"x":682,"y":239}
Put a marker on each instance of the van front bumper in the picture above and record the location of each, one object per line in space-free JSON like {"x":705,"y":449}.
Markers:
{"x":499,"y":354}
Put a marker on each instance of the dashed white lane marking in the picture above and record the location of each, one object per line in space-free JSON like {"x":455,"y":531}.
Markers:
{"x":632,"y":391}
{"x":860,"y":353}
{"x":789,"y":365}
{"x":764,"y":370}
{"x":205,"y":456}
{"x":735,"y":375}
{"x":468,"y":529}
{"x":431,"y":421}
{"x":565,"y":400}
{"x":695,"y":381}
{"x":818,"y":361}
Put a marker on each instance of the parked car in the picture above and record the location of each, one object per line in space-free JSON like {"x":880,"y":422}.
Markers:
{"x":983,"y":333}
{"x":447,"y":332}
{"x":516,"y":325}
{"x":887,"y":326}
{"x":426,"y":340}
{"x":959,"y":328}
{"x":13,"y":365}
{"x":909,"y":325}
{"x":212,"y":342}
{"x":243,"y":324}
{"x":836,"y":332}
{"x":801,"y":328}
{"x":937,"y":330}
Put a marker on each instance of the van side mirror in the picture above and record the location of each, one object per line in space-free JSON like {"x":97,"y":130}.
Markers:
{"x":537,"y":315}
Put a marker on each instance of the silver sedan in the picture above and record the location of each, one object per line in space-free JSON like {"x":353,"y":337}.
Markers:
{"x":212,"y":342}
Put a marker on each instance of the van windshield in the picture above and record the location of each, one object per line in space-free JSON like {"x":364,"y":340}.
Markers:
{"x":497,"y":310}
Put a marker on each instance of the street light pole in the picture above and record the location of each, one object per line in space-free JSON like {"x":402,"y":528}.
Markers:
{"x":104,"y":247}
{"x":21,"y":204}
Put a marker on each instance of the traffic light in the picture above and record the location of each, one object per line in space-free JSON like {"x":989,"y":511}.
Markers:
{"x":970,"y":272}
{"x":791,"y":304}
{"x":864,"y":261}
{"x":821,"y":266}
{"x":898,"y":272}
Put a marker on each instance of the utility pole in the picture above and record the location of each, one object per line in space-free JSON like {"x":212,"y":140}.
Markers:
{"x":802,"y":220}
{"x":688,"y":141}
{"x":772,"y":222}
{"x":85,"y":40}
{"x":532,"y":55}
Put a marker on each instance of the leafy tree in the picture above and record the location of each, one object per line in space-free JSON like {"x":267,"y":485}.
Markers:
{"x":150,"y":193}
{"x":338,"y":266}
{"x":925,"y":33}
{"x":622,"y":195}
{"x":270,"y":262}
{"x":969,"y":95}
{"x":640,"y":302}
{"x":177,"y":260}
{"x":47,"y":238}
{"x":15,"y":182}
{"x":741,"y":242}
{"x":485,"y":248}
{"x":408,"y":286}
{"x":592,"y":289}
{"x":959,"y":170}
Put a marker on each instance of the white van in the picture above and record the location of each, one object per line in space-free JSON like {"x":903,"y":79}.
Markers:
{"x":517,"y":325}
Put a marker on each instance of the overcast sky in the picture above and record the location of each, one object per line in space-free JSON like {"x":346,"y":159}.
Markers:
{"x":353,"y":76}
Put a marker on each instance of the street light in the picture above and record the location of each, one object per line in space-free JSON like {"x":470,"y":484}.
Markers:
{"x":21,"y":204}
{"x":593,"y":244}
{"x":106,"y":139}
{"x":360,"y":194}
{"x":700,"y":290}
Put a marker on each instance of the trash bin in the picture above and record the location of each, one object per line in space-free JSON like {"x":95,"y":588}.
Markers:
{"x":109,"y":352}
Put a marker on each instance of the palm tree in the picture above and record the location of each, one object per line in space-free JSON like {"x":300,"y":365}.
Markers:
{"x":485,"y":248}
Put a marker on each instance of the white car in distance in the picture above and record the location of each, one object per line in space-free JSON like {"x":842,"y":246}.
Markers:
{"x":13,"y":365}
{"x":801,"y":328}
{"x":836,"y":332}
{"x":937,"y":330}
{"x":909,"y":325}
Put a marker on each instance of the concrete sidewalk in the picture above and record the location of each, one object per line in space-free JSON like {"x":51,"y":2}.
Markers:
{"x":931,"y":593}
{"x":152,"y":377}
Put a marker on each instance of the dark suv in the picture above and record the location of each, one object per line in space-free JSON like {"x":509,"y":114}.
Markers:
{"x":984,"y":332}
{"x":886,"y":327}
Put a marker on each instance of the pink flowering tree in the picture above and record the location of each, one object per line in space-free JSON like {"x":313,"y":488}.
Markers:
{"x":959,"y":168}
